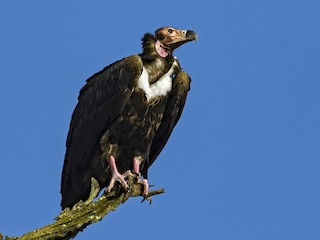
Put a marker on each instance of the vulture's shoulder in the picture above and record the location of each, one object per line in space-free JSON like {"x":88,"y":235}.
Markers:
{"x":183,"y":81}
{"x":124,"y":71}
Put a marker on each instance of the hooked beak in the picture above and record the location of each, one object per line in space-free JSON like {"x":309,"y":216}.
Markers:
{"x":182,"y":37}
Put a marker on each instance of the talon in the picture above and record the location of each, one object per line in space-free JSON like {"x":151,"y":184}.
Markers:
{"x":145,"y":184}
{"x":137,"y":174}
{"x":136,"y":168}
{"x":146,"y":197}
{"x":117,"y":177}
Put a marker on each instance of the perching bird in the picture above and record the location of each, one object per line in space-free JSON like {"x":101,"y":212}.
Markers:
{"x":124,"y":117}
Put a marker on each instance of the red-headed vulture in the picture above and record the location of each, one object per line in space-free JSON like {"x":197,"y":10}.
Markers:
{"x":124,"y":117}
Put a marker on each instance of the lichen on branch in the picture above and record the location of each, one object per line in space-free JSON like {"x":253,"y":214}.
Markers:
{"x":72,"y":221}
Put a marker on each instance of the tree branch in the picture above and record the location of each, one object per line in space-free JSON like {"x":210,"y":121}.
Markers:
{"x":71,"y":221}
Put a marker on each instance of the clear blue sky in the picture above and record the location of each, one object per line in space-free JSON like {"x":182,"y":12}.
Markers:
{"x":243,"y":162}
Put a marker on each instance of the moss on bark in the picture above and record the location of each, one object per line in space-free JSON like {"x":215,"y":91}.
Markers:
{"x":71,"y":221}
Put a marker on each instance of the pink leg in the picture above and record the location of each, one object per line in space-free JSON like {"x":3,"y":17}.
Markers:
{"x":136,"y":165}
{"x":136,"y":168}
{"x":116,"y":176}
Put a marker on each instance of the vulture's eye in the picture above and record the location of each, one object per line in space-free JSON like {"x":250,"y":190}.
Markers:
{"x":170,"y":30}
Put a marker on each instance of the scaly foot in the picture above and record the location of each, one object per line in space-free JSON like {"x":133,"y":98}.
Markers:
{"x":136,"y":168}
{"x":145,"y":185}
{"x":116,"y":176}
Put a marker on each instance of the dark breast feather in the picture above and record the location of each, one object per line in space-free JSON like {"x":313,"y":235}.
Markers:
{"x":101,"y":100}
{"x":175,"y":105}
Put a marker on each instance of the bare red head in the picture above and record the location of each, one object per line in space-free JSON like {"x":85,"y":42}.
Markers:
{"x":169,"y":38}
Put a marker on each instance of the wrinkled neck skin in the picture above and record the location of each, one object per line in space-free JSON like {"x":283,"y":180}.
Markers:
{"x":161,"y":50}
{"x":156,"y":58}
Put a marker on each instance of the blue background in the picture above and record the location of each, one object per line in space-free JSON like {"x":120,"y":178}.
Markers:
{"x":243,"y":162}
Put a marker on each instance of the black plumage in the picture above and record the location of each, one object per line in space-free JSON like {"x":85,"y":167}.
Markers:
{"x":126,"y":112}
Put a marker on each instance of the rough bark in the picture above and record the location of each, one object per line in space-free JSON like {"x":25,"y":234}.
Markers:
{"x":72,"y":221}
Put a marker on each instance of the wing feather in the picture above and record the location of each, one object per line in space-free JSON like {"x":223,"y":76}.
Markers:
{"x":101,"y":100}
{"x":175,"y":105}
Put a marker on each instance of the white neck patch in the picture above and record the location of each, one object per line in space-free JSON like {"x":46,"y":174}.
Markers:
{"x":160,"y":87}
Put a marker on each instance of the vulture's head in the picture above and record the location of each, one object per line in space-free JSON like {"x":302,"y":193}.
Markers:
{"x":169,"y":38}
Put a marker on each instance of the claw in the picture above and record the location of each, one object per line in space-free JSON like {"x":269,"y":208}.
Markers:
{"x":137,"y":175}
{"x":148,"y":198}
{"x":117,"y":177}
{"x":145,"y":185}
{"x":136,"y":168}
